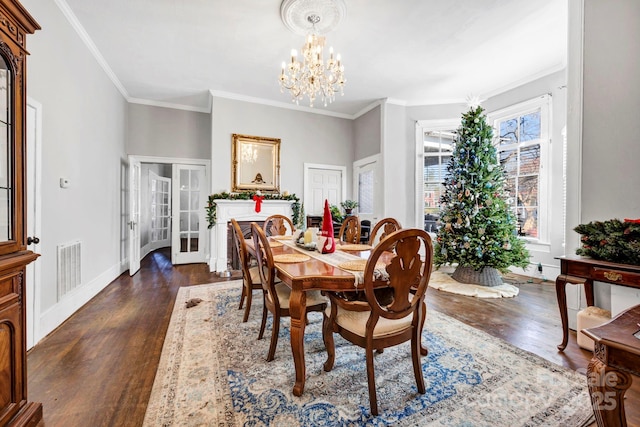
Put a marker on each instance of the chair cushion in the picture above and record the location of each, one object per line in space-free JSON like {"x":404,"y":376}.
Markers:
{"x":356,"y":322}
{"x":284,"y":295}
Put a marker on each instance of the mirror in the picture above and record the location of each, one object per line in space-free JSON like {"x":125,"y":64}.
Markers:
{"x":255,"y":163}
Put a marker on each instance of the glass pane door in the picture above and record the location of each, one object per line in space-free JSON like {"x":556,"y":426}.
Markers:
{"x":6,"y":154}
{"x":189,"y":214}
{"x":160,"y":211}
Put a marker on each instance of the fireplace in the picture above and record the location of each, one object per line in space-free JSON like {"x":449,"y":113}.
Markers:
{"x":222,"y":251}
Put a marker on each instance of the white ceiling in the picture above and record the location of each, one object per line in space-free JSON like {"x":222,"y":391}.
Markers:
{"x":413,"y":52}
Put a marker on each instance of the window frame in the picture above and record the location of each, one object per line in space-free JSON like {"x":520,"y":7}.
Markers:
{"x":543,"y":103}
{"x":423,"y":126}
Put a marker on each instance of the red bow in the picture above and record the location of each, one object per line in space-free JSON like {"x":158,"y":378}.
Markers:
{"x":633,"y":221}
{"x":258,"y":200}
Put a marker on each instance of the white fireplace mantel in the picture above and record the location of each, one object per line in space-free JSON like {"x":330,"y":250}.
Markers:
{"x":241,"y":210}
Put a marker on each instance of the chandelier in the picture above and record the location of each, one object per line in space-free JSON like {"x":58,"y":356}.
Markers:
{"x":249,"y":153}
{"x":311,"y":75}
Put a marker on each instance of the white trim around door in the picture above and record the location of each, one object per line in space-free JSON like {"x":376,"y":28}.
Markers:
{"x":33,"y":279}
{"x":205,"y":186}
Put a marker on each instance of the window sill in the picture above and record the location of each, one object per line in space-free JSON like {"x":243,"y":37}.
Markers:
{"x":536,"y":246}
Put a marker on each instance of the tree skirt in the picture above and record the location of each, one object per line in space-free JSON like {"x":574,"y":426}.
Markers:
{"x":444,"y":282}
{"x":213,"y":372}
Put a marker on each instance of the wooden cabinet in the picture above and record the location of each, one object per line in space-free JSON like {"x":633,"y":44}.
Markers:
{"x":15,"y":409}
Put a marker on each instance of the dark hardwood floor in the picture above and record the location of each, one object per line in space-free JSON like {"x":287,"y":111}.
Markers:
{"x":97,"y":369}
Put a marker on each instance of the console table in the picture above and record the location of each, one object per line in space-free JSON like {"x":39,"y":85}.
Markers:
{"x":616,"y":357}
{"x":583,"y":271}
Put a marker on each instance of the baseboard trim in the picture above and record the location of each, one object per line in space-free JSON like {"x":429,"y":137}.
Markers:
{"x":74,"y":300}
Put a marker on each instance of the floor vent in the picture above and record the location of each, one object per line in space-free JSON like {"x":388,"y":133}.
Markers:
{"x":69,"y":268}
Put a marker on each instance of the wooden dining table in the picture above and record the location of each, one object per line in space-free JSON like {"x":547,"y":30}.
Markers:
{"x":305,"y":276}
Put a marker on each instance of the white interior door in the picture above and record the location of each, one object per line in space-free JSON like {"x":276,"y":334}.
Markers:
{"x":160,"y":196}
{"x":33,"y":282}
{"x":134,"y":215}
{"x":367,"y":189}
{"x":323,"y":182}
{"x":189,"y":232}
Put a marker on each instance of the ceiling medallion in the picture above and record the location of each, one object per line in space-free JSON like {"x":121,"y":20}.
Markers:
{"x":312,"y":76}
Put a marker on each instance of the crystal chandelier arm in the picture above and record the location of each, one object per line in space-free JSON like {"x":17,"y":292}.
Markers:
{"x":311,"y":76}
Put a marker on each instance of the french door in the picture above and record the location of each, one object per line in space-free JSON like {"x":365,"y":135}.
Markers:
{"x":134,"y":215}
{"x":160,"y":211}
{"x":188,"y":237}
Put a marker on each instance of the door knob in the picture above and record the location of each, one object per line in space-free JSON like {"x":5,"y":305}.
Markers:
{"x":31,"y":240}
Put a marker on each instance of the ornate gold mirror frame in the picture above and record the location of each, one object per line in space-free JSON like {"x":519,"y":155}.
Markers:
{"x":255,"y":163}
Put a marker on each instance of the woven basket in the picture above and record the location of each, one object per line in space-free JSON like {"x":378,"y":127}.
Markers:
{"x":488,"y":276}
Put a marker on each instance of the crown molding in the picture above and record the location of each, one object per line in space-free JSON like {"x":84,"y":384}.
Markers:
{"x":289,"y":106}
{"x":84,"y":36}
{"x":495,"y":92}
{"x":523,"y":81}
{"x":163,"y":104}
{"x":366,"y":109}
{"x":396,"y":101}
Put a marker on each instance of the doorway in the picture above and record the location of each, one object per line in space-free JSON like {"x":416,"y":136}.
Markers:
{"x":34,"y":216}
{"x":323,"y":182}
{"x":167,"y":208}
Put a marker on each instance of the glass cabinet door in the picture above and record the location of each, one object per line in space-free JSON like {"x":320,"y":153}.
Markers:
{"x":6,"y":154}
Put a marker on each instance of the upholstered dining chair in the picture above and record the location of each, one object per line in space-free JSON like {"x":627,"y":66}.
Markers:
{"x":378,"y":322}
{"x":384,"y":227}
{"x":276,"y":225}
{"x":276,"y":295}
{"x":250,"y":275}
{"x":350,"y":230}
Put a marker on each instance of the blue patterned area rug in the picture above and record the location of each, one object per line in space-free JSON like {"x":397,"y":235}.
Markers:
{"x":213,"y":372}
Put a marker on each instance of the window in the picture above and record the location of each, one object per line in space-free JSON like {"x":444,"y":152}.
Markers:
{"x":522,"y":140}
{"x":365,"y":192}
{"x":438,"y":146}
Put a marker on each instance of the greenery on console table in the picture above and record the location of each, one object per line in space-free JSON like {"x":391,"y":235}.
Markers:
{"x":248,"y":195}
{"x":612,"y":240}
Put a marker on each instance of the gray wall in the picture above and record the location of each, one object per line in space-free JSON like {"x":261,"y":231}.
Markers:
{"x":166,"y":132}
{"x":305,"y":138}
{"x":398,"y":151}
{"x":611,"y":110}
{"x":367,"y":134}
{"x":607,"y":175}
{"x":83,"y":134}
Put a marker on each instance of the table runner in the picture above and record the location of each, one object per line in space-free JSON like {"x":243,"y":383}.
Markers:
{"x":338,"y":257}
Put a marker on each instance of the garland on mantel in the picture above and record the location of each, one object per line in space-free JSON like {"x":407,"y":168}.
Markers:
{"x":248,"y":195}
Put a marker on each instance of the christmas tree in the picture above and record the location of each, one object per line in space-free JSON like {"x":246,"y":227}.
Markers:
{"x":479,"y":232}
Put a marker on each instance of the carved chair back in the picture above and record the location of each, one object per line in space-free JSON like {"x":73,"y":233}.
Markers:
{"x":266,"y":265}
{"x":276,"y":225}
{"x":350,"y":230}
{"x":382,"y":229}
